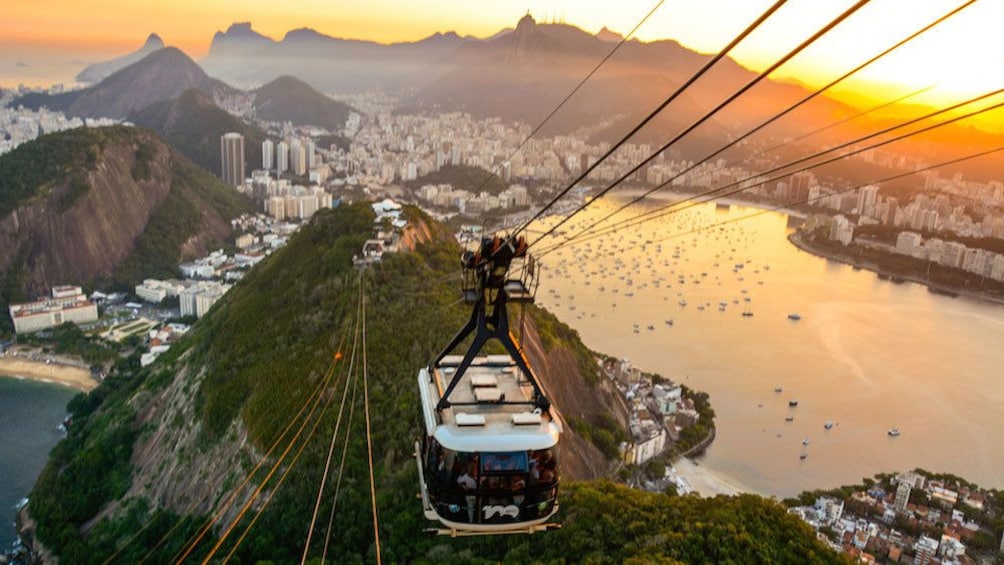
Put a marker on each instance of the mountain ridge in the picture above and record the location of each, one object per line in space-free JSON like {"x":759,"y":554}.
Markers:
{"x":97,"y":71}
{"x":193,"y":124}
{"x":160,"y":75}
{"x":289,"y":99}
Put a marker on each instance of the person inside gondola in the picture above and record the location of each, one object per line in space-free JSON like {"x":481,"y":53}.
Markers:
{"x":469,"y":482}
{"x":518,"y":485}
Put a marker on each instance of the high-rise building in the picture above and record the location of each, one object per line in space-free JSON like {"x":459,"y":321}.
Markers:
{"x":798,"y":188}
{"x":867,"y":197}
{"x":297,"y":157}
{"x":267,"y":154}
{"x":281,"y":157}
{"x":232,"y":158}
{"x":902,"y":496}
{"x":311,"y":153}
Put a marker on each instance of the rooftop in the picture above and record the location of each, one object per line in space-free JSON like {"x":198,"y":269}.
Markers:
{"x":491,"y":408}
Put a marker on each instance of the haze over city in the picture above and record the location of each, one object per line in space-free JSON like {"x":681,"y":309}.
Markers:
{"x":957,"y":58}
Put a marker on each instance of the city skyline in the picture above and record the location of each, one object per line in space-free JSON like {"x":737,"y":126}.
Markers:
{"x":953,"y":57}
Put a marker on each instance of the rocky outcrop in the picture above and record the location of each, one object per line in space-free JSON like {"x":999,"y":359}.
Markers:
{"x":81,"y":226}
{"x":562,"y":379}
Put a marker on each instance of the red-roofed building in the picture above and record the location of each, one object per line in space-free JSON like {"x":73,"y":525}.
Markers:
{"x":68,"y":304}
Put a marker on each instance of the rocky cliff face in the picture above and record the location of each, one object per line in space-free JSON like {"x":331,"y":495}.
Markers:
{"x":99,"y":228}
{"x":81,"y":226}
{"x":563,"y":381}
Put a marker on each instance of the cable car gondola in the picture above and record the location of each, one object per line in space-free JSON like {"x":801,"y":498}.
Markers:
{"x":488,"y":460}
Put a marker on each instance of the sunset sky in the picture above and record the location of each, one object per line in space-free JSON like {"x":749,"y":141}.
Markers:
{"x":961,"y":57}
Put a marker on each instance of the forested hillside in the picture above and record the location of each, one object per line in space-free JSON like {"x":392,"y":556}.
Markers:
{"x":151,"y":455}
{"x":103,"y":206}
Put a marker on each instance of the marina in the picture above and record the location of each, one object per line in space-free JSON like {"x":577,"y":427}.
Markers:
{"x":842,"y":361}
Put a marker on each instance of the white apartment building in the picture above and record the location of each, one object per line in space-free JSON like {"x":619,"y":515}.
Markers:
{"x":197,"y":299}
{"x":68,"y":304}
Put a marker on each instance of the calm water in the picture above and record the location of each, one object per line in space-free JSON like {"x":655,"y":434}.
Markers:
{"x":29,"y":415}
{"x":868,"y":354}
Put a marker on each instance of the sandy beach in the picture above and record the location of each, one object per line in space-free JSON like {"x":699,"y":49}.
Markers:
{"x":72,"y":377}
{"x":705,"y":481}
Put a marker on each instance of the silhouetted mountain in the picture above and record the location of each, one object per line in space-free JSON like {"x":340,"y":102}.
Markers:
{"x":288,"y":99}
{"x":239,"y":39}
{"x":193,"y":124}
{"x":609,"y":36}
{"x":97,"y":71}
{"x":524,"y":74}
{"x":242,"y":56}
{"x":161,"y":75}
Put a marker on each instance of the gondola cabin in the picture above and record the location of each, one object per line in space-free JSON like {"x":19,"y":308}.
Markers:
{"x":488,"y":457}
{"x":489,"y":461}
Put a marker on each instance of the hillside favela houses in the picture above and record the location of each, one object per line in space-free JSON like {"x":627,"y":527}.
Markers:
{"x":67,"y":304}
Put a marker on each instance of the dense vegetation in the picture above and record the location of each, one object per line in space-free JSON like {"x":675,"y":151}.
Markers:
{"x":606,"y":434}
{"x":12,"y":289}
{"x":157,"y":251}
{"x":42,"y":164}
{"x":193,"y":124}
{"x":91,"y":466}
{"x":266,"y":345}
{"x":67,"y":339}
{"x":699,"y":432}
{"x":463,"y":177}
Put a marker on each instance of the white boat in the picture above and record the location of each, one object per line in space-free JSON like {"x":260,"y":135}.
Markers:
{"x":828,"y":424}
{"x":794,"y":316}
{"x":893,"y":432}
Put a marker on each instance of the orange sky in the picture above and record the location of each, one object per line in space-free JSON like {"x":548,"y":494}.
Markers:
{"x":961,"y":56}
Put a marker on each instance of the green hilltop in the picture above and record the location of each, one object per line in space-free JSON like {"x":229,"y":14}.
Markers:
{"x":152,"y":452}
{"x":104,"y":207}
{"x":193,"y":124}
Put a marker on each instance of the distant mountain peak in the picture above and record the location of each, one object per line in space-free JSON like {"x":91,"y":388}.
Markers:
{"x":153,"y":42}
{"x":609,"y":35}
{"x":304,"y":33}
{"x":237,"y":39}
{"x":526,"y":24}
{"x":95,"y":72}
{"x":241,"y":28}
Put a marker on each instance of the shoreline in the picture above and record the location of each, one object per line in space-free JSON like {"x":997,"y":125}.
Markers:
{"x":707,"y":482}
{"x":64,"y":375}
{"x":800,"y":243}
{"x":680,"y":194}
